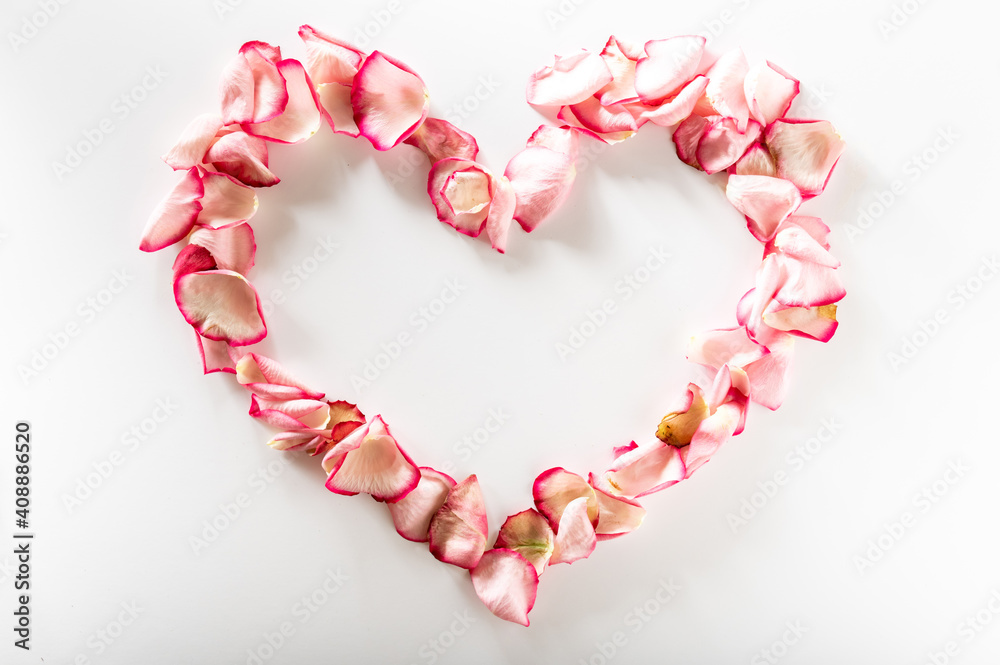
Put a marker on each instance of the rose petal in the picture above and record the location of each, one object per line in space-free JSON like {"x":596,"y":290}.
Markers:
{"x":732,"y":347}
{"x":292,"y":415}
{"x":795,"y":242}
{"x":669,"y":64}
{"x":390,"y":101}
{"x":765,"y":201}
{"x":252,"y":88}
{"x":221,"y":305}
{"x":412,"y":514}
{"x":175,"y":216}
{"x":507,"y":584}
{"x":335,"y":104}
{"x":501,"y":213}
{"x":233,"y":247}
{"x":439,"y":139}
{"x":725,"y":92}
{"x":244,"y":157}
{"x":529,"y":534}
{"x":618,"y":516}
{"x":216,"y":355}
{"x":818,"y":323}
{"x":226,"y":200}
{"x":622,"y":67}
{"x":757,"y":160}
{"x":266,"y":378}
{"x":194,"y":142}
{"x":568,"y":80}
{"x":193,"y":258}
{"x":676,"y":108}
{"x":556,"y":488}
{"x":769,"y":92}
{"x":564,"y":140}
{"x":807,"y":284}
{"x":710,"y":436}
{"x":475,"y":184}
{"x":723,"y":144}
{"x":612,"y":123}
{"x":686,"y":138}
{"x":542,"y":179}
{"x":301,"y":117}
{"x":575,"y":537}
{"x":369,"y":460}
{"x":459,"y":529}
{"x":806,"y":152}
{"x":645,"y":469}
{"x":328,"y":59}
{"x":680,"y":425}
{"x":769,"y":376}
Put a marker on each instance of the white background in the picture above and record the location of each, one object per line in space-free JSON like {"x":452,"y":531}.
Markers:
{"x":796,"y":562}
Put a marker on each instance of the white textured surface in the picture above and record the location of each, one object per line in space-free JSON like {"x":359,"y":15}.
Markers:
{"x":494,"y":348}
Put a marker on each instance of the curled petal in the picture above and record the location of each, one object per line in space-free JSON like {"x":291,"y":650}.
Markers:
{"x":556,"y":488}
{"x":226,"y":200}
{"x":266,"y":378}
{"x":670,"y":63}
{"x":564,"y":140}
{"x":645,"y":469}
{"x":439,"y":139}
{"x":232,"y":247}
{"x":819,"y":323}
{"x":194,"y":142}
{"x":613,"y":123}
{"x":575,"y":537}
{"x":216,"y":355}
{"x":301,"y":117}
{"x":570,"y":79}
{"x":679,"y":426}
{"x":769,"y":92}
{"x":413,"y":513}
{"x":459,"y":529}
{"x":344,"y":419}
{"x":542,"y":179}
{"x":618,"y":516}
{"x":765,"y":201}
{"x":461,"y":192}
{"x":757,"y":160}
{"x":328,"y":59}
{"x":725,"y":93}
{"x":193,"y":258}
{"x":723,"y":144}
{"x":806,"y":152}
{"x":253,"y":88}
{"x":390,"y":101}
{"x":175,"y":216}
{"x":308,"y":415}
{"x":501,"y":213}
{"x":687,"y":136}
{"x":335,"y":104}
{"x":678,"y":107}
{"x":244,"y":157}
{"x":221,"y":305}
{"x":369,"y":460}
{"x":796,"y":242}
{"x":621,"y":60}
{"x":710,"y":436}
{"x":807,"y":284}
{"x":529,"y":534}
{"x":507,"y":584}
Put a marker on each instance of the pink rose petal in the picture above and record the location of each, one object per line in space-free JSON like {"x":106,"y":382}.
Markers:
{"x":507,"y":585}
{"x":328,"y":59}
{"x":266,"y":378}
{"x":233,"y":247}
{"x":194,"y":142}
{"x":459,"y":529}
{"x":370,"y":461}
{"x":439,"y":139}
{"x":570,"y":79}
{"x":678,"y":107}
{"x":732,"y":347}
{"x":390,"y":101}
{"x":575,"y":537}
{"x":529,"y":534}
{"x":413,"y":513}
{"x":501,"y":213}
{"x":723,"y":144}
{"x":564,"y":140}
{"x":556,"y":488}
{"x":244,"y":157}
{"x":687,"y":136}
{"x":175,"y":216}
{"x":806,"y":152}
{"x":725,"y":92}
{"x":461,"y":191}
{"x":621,"y":64}
{"x":216,"y":355}
{"x":757,"y":160}
{"x":769,"y":376}
{"x":221,"y":305}
{"x":335,"y":104}
{"x":542,"y":179}
{"x":645,"y":469}
{"x":301,"y":116}
{"x":669,"y":65}
{"x":617,"y":515}
{"x":769,"y":92}
{"x":765,"y":201}
{"x":612,"y":123}
{"x":252,"y":88}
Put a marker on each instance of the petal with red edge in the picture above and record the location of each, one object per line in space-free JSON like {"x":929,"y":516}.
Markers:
{"x":412,"y":514}
{"x":193,"y":258}
{"x":390,"y":101}
{"x":335,"y":104}
{"x":565,"y":140}
{"x":808,"y":284}
{"x":473,"y":185}
{"x":613,"y":123}
{"x":194,"y":142}
{"x":648,"y":468}
{"x":301,"y":117}
{"x":725,"y":92}
{"x":622,"y":67}
{"x":369,"y":460}
{"x":769,"y":376}
{"x":723,"y":144}
{"x":507,"y":585}
{"x":459,"y":529}
{"x":252,"y":88}
{"x":757,"y":160}
{"x":796,"y":242}
{"x":233,"y":247}
{"x":221,"y":305}
{"x":575,"y":537}
{"x":328,"y":59}
{"x":679,"y":426}
{"x":711,"y":435}
{"x":818,"y":323}
{"x":570,"y":79}
{"x":291,"y":415}
{"x":542,"y":179}
{"x":175,"y":216}
{"x":806,"y":152}
{"x":765,"y":201}
{"x":244,"y":157}
{"x":529,"y":534}
{"x":733,"y":347}
{"x":669,"y":64}
{"x":439,"y":139}
{"x":501,"y":213}
{"x":769,"y":92}
{"x":268,"y":379}
{"x":226,"y":200}
{"x":618,"y":516}
{"x":216,"y":356}
{"x":678,"y":107}
{"x":556,"y":488}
